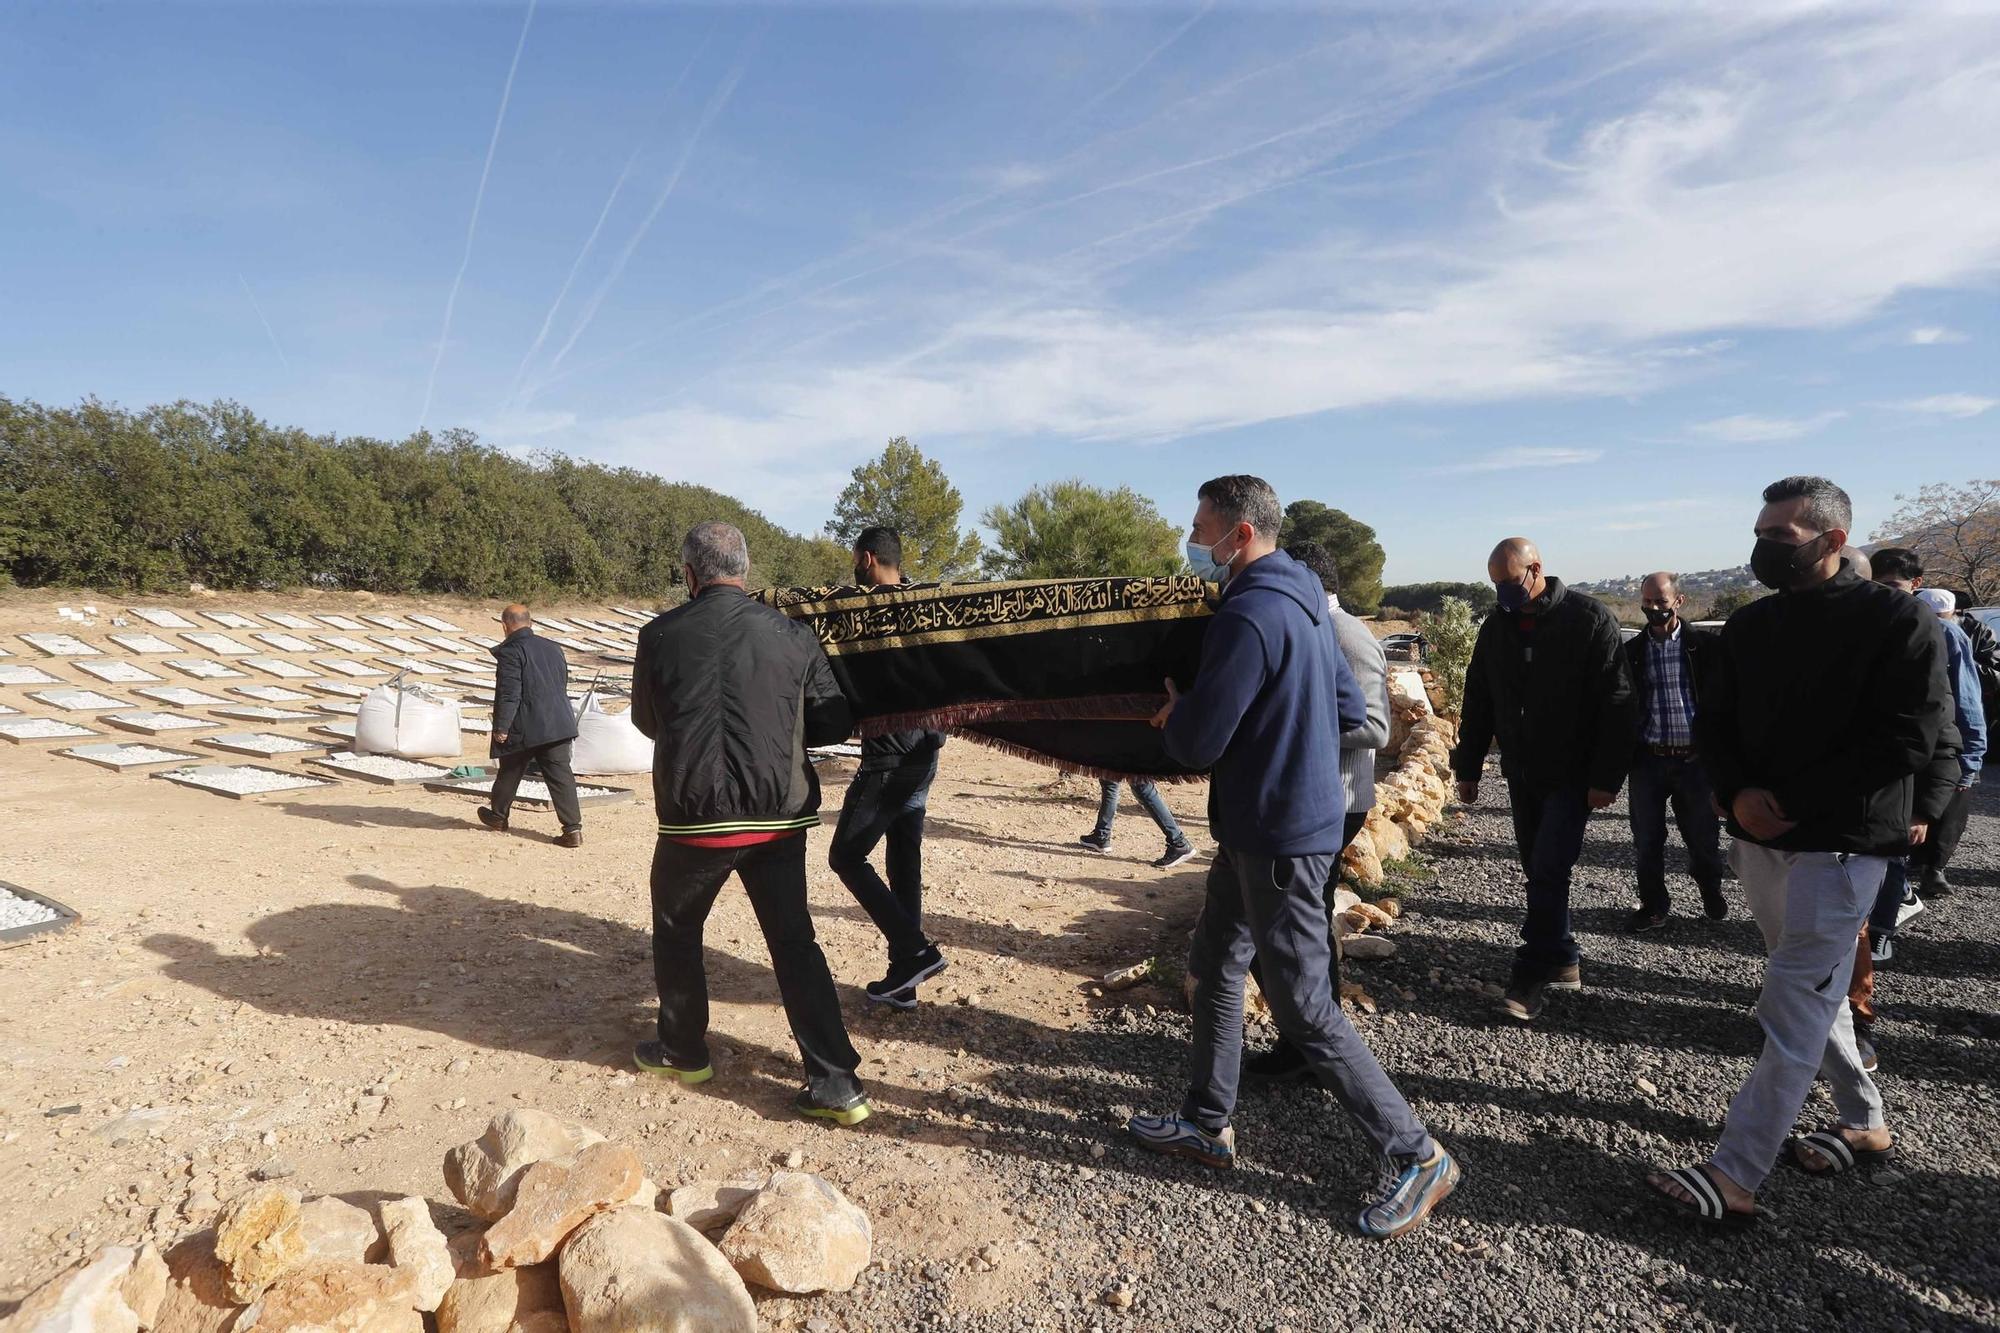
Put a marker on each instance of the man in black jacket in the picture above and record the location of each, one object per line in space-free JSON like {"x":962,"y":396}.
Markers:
{"x":887,"y":798}
{"x":1668,"y":663}
{"x":1548,"y":681}
{"x":533,"y":723}
{"x":1825,"y":704}
{"x":731,"y":693}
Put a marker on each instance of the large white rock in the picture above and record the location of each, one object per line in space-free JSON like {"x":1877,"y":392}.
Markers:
{"x":514,"y":1300}
{"x":799,"y":1234}
{"x":338,"y":1298}
{"x":89,"y":1298}
{"x":484,"y":1174}
{"x":145,"y":1286}
{"x":635,"y":1271}
{"x":259,"y":1240}
{"x":418,"y":1248}
{"x":340,"y":1232}
{"x":711,"y":1205}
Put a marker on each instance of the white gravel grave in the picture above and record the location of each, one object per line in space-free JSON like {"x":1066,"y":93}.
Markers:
{"x":396,"y":643}
{"x":264,"y":713}
{"x":152,"y":722}
{"x":384,"y":768}
{"x":22,"y":674}
{"x":77,"y":701}
{"x":16,"y":911}
{"x":203,"y":669}
{"x":341,"y":622}
{"x":340,"y":689}
{"x":345,"y":707}
{"x":559,"y":626}
{"x":533,"y":791}
{"x":413,"y":666}
{"x":346,"y":666}
{"x":220,"y":644}
{"x":123,"y":755}
{"x":342,"y":730}
{"x":436,"y":623}
{"x":285,"y":643}
{"x":233,"y":620}
{"x":480,"y":726}
{"x":149,"y":644}
{"x":388,"y":622}
{"x":463,"y":664}
{"x":240,"y":779}
{"x":288,"y":620}
{"x":59,"y":645}
{"x":41,"y":729}
{"x":277,"y":666}
{"x":263,"y":744}
{"x":161,"y":618}
{"x":180,"y":696}
{"x":345,"y":643}
{"x":8,"y":708}
{"x":481,"y":641}
{"x":445,"y":643}
{"x":269,"y":694}
{"x":117,"y":671}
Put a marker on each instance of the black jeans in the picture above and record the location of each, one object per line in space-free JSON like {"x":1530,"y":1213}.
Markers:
{"x":887,"y":803}
{"x":1933,"y":854}
{"x":1660,"y":781}
{"x":686,"y":881}
{"x":1548,"y":831}
{"x":561,"y":782}
{"x":1273,"y":909}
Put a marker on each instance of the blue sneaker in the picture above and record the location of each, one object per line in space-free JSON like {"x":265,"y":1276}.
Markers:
{"x":1172,"y":1136}
{"x":1417,"y":1188}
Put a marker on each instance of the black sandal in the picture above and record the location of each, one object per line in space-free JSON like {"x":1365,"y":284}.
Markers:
{"x":1708,"y":1206}
{"x":1835,"y":1154}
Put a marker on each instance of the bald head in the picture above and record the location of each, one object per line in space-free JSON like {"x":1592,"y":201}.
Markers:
{"x":1857,"y":557}
{"x":1511,"y":557}
{"x":1660,"y":598}
{"x":1660,"y":583}
{"x":515,"y":617}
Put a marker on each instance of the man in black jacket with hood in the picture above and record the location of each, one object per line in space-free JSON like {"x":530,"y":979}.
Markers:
{"x":731,"y":693}
{"x":1825,"y":706}
{"x":533,"y":723}
{"x":1548,"y":681}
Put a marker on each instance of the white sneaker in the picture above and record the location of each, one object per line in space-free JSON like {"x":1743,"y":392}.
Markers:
{"x":1912,"y":906}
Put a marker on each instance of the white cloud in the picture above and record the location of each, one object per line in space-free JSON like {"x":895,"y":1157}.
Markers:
{"x":1507,"y":460}
{"x":1930,"y":335}
{"x":1958,"y":406}
{"x":1749,"y":428}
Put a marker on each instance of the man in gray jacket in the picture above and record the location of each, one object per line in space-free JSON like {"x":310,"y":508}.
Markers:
{"x":1370,"y":665}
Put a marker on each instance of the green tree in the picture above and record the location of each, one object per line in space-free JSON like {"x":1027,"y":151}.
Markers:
{"x":906,"y":491}
{"x":1353,"y":545}
{"x":1425,"y":597}
{"x":1730,"y":601}
{"x":1449,"y":633}
{"x":1067,"y":529}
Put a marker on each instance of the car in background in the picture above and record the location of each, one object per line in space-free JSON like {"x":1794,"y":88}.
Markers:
{"x":1988,"y":616}
{"x":1403,"y":647}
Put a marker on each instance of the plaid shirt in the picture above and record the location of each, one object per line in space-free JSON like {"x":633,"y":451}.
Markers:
{"x":1669,"y":692}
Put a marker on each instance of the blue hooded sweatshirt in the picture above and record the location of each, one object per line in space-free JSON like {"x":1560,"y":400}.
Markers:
{"x":1266,"y":712}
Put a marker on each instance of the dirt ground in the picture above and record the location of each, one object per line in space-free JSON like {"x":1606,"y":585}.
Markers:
{"x":345,"y":982}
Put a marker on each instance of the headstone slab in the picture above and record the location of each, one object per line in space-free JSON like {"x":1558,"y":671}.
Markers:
{"x":286,"y":620}
{"x":239,"y":781}
{"x":265,"y":713}
{"x":388,"y":622}
{"x":277,"y":666}
{"x":21,"y":730}
{"x":77,"y":701}
{"x":220,"y":644}
{"x":117,"y":671}
{"x":233,"y":620}
{"x":59,"y":645}
{"x":342,"y":730}
{"x":396,"y":643}
{"x":262,"y":744}
{"x":269,"y":694}
{"x":150,"y":645}
{"x":532,"y":792}
{"x":203,"y":669}
{"x":347,"y":643}
{"x":155,"y":722}
{"x":121,"y":755}
{"x":161,"y":618}
{"x":438,"y":623}
{"x":20,"y":673}
{"x":385,"y":769}
{"x":342,"y":666}
{"x":414,"y":667}
{"x":180,"y":696}
{"x":341,"y":622}
{"x":281,"y":642}
{"x":339,"y":689}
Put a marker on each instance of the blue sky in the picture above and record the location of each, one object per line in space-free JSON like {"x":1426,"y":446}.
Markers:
{"x":1592,"y":273}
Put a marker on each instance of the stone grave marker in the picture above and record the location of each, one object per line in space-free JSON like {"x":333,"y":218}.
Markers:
{"x":59,"y":645}
{"x":277,"y":666}
{"x":203,"y":669}
{"x":284,"y":643}
{"x":145,"y":644}
{"x":161,"y":618}
{"x":23,"y":674}
{"x":154,"y":722}
{"x":121,"y":755}
{"x":385,"y":769}
{"x":240,"y":780}
{"x":180,"y":696}
{"x":437,"y":623}
{"x":117,"y":671}
{"x":77,"y":701}
{"x":19,"y":729}
{"x":261,"y":744}
{"x":220,"y":644}
{"x":342,"y":666}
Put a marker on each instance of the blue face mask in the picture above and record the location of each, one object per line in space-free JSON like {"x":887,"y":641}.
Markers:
{"x":1512,"y":595}
{"x":1202,"y":560}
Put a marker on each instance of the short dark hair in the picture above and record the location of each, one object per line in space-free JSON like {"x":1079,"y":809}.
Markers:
{"x":1827,"y":506}
{"x":1896,"y":562}
{"x":1320,"y":561}
{"x":1963,"y":598}
{"x":885,"y":544}
{"x":1240,"y":498}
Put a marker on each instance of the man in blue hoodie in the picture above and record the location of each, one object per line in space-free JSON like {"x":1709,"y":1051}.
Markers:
{"x":1264,"y":715}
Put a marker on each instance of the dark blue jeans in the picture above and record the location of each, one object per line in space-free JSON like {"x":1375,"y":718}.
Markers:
{"x":1659,"y":781}
{"x":1548,"y":831}
{"x":1149,"y":799}
{"x":887,"y":804}
{"x":1274,"y":910}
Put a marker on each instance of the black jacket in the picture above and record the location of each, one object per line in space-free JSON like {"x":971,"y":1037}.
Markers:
{"x":1834,"y":699}
{"x":1557,"y":697}
{"x":1985,"y":660}
{"x":901,"y":749}
{"x":1697,"y":647}
{"x":530,"y":694}
{"x":732,"y":692}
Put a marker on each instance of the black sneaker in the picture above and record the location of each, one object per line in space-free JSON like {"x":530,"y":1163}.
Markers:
{"x":1644,"y":919}
{"x":491,"y":820}
{"x":1177,"y":853}
{"x":1712,"y":902}
{"x":1934,"y":884}
{"x":899,"y":988}
{"x":1096,"y":842}
{"x":1881,"y":948}
{"x":1527,"y":991}
{"x":1281,"y":1064}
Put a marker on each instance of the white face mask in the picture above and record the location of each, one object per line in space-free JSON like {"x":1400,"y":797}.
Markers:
{"x":1203,"y":561}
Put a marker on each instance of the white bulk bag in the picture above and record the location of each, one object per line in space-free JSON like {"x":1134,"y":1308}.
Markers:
{"x":608,"y":742}
{"x":410,"y":723}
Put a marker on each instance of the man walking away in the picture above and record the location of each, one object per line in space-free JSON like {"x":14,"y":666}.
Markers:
{"x":533,"y":723}
{"x":1824,"y":705}
{"x":1179,"y":849}
{"x":1271,"y":695}
{"x":1667,"y":663}
{"x":732,"y":693}
{"x":1362,"y":652}
{"x":1548,"y":681}
{"x":887,"y":799}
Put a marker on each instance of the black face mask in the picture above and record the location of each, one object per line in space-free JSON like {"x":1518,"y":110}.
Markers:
{"x":861,"y":578}
{"x":1777,"y":564}
{"x":1658,"y":615}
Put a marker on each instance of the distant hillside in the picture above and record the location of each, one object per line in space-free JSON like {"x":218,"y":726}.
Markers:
{"x":1699,"y":588}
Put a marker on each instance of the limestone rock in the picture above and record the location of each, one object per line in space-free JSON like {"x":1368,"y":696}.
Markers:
{"x":484,"y":1174}
{"x":710,"y":1205}
{"x":631,"y":1271}
{"x":89,"y":1298}
{"x":145,"y":1286}
{"x":514,"y":1300}
{"x":553,"y":1199}
{"x":1370,"y":915}
{"x":418,"y":1248}
{"x":1390,"y":842}
{"x":1344,"y":898}
{"x":340,"y":1232}
{"x":1367,"y":947}
{"x":259,"y":1240}
{"x":1125,"y":978}
{"x":198,"y":1299}
{"x":1361,"y":862}
{"x":319,"y":1297}
{"x":799,"y":1234}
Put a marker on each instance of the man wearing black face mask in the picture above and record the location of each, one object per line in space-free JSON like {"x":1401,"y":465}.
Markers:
{"x":1823,"y":707}
{"x":1667,"y":664}
{"x":1548,"y":681}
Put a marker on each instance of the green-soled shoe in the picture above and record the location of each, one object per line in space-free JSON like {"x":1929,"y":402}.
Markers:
{"x":851,"y":1112}
{"x":652,"y":1057}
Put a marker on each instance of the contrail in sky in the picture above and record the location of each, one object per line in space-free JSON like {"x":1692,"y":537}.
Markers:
{"x":472,"y":227}
{"x":283,"y":359}
{"x":1135,"y":71}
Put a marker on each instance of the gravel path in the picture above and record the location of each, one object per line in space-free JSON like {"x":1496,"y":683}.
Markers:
{"x":1555,"y":1124}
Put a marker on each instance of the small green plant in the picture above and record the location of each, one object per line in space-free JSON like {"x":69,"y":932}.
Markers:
{"x":1449,"y":633}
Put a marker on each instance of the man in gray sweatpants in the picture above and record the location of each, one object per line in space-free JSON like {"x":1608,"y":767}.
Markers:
{"x":1825,"y":707}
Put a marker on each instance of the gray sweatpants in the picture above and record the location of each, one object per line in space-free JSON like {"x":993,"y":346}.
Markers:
{"x":1810,"y":906}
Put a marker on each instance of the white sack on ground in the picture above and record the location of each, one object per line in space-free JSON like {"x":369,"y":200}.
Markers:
{"x":410,"y":723}
{"x":608,"y":742}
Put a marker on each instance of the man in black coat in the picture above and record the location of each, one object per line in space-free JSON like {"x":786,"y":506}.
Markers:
{"x":533,"y":723}
{"x":1668,"y":664}
{"x":1547,"y":681}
